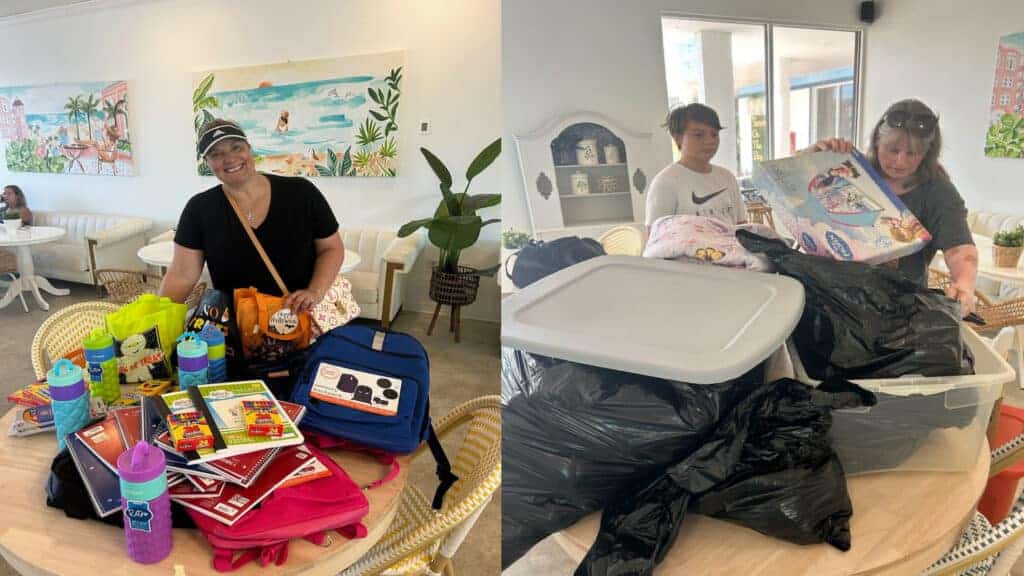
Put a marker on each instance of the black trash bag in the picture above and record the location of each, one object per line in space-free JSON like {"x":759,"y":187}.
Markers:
{"x":538,"y":258}
{"x":580,"y":436}
{"x":768,"y":465}
{"x":66,"y":491}
{"x":864,"y":321}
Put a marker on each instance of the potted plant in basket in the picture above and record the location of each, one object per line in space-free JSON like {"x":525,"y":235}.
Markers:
{"x":454,"y":227}
{"x":1007,"y":246}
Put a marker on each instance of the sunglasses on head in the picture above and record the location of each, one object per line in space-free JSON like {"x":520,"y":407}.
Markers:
{"x":920,"y":124}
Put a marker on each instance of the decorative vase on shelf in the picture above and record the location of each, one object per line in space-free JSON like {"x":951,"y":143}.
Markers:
{"x":586,"y":152}
{"x":580,"y":183}
{"x":611,"y":154}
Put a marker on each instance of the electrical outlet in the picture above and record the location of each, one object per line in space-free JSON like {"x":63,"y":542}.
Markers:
{"x":424,"y":126}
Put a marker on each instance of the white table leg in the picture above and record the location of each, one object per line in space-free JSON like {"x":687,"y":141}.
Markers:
{"x":14,"y":290}
{"x":45,"y":286}
{"x":30,"y":282}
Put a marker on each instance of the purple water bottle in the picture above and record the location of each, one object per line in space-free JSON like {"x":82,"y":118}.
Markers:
{"x":147,"y":505}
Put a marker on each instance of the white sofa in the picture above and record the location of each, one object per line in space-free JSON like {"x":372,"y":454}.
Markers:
{"x":93,"y":241}
{"x":377,"y":283}
{"x":987,"y":224}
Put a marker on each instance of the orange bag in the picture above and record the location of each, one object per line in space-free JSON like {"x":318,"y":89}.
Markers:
{"x":268,"y":331}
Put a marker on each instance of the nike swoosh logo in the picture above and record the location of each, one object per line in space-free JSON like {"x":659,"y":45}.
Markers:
{"x":701,"y":200}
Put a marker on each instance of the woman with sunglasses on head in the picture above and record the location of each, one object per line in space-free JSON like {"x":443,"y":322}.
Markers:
{"x":904,"y":149}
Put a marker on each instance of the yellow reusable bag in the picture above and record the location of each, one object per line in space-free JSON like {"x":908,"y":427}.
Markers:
{"x":144,"y":334}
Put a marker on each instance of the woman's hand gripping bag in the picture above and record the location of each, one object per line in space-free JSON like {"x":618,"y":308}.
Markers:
{"x":268,"y":331}
{"x":145,"y":332}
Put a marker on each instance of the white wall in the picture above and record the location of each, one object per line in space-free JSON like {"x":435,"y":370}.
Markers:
{"x":606,"y":56}
{"x":451,"y":77}
{"x":944,"y":53}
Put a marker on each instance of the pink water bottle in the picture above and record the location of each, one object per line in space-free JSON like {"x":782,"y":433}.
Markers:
{"x":147,"y":505}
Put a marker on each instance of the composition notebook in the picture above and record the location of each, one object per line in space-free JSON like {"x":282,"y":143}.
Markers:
{"x":836,"y":205}
{"x":221,"y":406}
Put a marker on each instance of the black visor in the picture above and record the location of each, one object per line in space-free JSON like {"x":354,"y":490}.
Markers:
{"x":213,"y":135}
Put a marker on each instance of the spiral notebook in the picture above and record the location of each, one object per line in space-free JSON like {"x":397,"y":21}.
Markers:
{"x":100,"y":481}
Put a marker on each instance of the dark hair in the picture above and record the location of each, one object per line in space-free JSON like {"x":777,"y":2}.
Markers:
{"x":18,"y":195}
{"x":677,"y":119}
{"x":929,"y":169}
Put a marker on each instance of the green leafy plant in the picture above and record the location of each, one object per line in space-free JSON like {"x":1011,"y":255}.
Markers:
{"x":388,"y":101}
{"x":1005,"y":138}
{"x":1012,"y":238}
{"x":336,"y":167}
{"x":455,"y":224}
{"x":513,"y":239}
{"x":21,"y":157}
{"x":369,"y":133}
{"x":201,"y":100}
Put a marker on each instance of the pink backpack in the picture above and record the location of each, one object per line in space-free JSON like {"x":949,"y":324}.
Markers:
{"x":309,"y":510}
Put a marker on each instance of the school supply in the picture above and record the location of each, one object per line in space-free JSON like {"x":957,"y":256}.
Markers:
{"x":146,"y":503}
{"x":371,"y":388}
{"x":101,"y":366}
{"x":30,"y":420}
{"x":261,"y":419}
{"x":70,"y":400}
{"x":100,"y":481}
{"x":189,"y":431}
{"x":309,"y":510}
{"x":192,"y":360}
{"x":104,"y":440}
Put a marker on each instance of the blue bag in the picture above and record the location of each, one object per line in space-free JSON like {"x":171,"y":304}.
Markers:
{"x":371,"y":387}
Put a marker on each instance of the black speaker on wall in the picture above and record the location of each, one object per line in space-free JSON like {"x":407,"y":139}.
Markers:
{"x":867,"y":12}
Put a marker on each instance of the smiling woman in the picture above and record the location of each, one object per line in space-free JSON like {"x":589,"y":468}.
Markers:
{"x":300,"y":234}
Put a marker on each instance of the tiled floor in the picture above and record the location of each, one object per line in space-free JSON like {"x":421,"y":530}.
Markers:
{"x":459,"y":372}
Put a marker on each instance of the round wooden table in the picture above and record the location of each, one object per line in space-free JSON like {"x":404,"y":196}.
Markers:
{"x":902,"y":522}
{"x":38,"y":540}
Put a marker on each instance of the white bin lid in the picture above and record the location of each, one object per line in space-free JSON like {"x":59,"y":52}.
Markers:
{"x":690,"y":322}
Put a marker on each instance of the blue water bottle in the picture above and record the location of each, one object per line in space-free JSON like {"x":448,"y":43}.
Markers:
{"x":217,"y":371}
{"x":70,"y":398}
{"x":192,"y":360}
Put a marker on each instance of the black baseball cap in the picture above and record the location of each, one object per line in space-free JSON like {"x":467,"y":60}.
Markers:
{"x":679,"y":116}
{"x":213,"y":134}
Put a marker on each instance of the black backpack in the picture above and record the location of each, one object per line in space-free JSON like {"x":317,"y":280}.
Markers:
{"x":539,"y":259}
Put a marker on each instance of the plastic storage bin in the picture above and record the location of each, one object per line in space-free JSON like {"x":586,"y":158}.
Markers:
{"x":920,"y":423}
{"x":693,"y":323}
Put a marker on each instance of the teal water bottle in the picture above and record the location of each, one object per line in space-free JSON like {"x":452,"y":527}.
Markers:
{"x":101,"y":364}
{"x":192,"y":360}
{"x":69,"y":397}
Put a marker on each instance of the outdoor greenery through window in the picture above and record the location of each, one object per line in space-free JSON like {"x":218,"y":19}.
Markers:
{"x":813,"y":93}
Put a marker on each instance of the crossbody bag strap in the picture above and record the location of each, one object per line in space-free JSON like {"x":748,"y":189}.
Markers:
{"x":256,"y":243}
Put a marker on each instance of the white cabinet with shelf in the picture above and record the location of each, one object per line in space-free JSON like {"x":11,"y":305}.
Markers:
{"x":584,"y":172}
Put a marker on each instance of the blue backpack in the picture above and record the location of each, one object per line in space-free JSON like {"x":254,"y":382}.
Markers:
{"x":372,"y":388}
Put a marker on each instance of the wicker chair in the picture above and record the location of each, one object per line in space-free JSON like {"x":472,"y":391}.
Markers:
{"x":997,"y":315}
{"x":8,"y":268}
{"x":625,"y":240}
{"x":421,"y":540}
{"x":64,"y":331}
{"x":123,"y":286}
{"x":981,"y":542}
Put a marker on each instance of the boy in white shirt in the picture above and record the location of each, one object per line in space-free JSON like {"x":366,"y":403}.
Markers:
{"x":694,"y":185}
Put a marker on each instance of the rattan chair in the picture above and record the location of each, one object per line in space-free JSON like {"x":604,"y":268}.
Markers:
{"x":981,"y":542}
{"x":8,"y":269}
{"x":64,"y":331}
{"x":997,"y":315}
{"x":624,"y":240}
{"x":421,"y":540}
{"x":124,"y":286}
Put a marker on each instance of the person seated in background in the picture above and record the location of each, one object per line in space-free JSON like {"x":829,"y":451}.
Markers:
{"x":904,"y":149}
{"x":17,"y":207}
{"x":694,"y":185}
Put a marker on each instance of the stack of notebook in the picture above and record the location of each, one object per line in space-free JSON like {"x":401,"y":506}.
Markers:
{"x":224,"y":481}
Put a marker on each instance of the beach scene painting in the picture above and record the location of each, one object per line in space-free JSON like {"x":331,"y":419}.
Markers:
{"x":329,"y":117}
{"x":79,"y":128}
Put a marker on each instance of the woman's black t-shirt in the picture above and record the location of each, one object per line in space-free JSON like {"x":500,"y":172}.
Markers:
{"x":299,"y":214}
{"x":940,"y":209}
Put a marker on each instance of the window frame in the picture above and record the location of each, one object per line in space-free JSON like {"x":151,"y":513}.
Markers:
{"x":769,"y":54}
